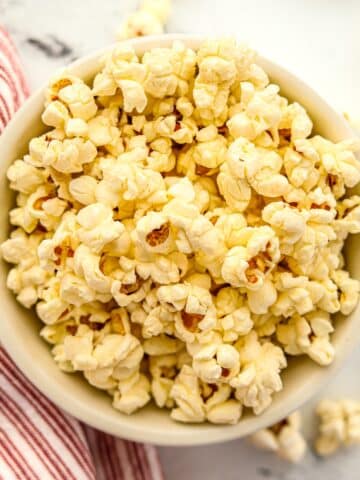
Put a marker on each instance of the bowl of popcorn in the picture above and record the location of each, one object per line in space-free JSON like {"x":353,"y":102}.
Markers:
{"x":178,"y":211}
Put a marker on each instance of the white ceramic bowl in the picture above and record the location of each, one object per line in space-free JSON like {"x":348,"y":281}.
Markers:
{"x":19,"y":328}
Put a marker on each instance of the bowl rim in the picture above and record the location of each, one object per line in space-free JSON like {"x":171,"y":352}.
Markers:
{"x":214,"y":434}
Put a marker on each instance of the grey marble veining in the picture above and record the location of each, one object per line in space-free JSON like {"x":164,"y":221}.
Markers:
{"x":317,"y":39}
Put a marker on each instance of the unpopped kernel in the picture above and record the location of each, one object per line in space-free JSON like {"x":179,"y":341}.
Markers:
{"x":179,"y":231}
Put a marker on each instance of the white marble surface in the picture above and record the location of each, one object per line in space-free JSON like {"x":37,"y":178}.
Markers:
{"x":317,"y":39}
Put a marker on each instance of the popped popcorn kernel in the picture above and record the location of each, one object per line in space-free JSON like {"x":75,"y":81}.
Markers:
{"x":339,"y":425}
{"x":284,"y":439}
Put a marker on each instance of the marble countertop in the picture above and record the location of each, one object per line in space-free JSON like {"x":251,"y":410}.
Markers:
{"x":318,"y":40}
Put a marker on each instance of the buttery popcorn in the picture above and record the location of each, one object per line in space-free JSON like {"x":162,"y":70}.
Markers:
{"x":179,"y":231}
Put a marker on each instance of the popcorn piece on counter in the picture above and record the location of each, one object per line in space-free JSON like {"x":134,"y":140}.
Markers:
{"x":283,"y":438}
{"x":339,"y":425}
{"x":148,"y":20}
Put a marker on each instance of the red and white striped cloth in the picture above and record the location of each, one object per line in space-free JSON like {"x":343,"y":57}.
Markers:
{"x":38,"y":441}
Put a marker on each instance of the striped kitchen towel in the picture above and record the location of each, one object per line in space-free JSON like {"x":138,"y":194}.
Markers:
{"x":38,"y":441}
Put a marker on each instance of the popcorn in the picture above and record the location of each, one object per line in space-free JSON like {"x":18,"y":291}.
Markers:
{"x":101,"y":132}
{"x":259,"y":376}
{"x":123,"y":70}
{"x":79,"y":99}
{"x":284,"y":438}
{"x":207,"y":196}
{"x":339,"y":159}
{"x":215,"y":362}
{"x":295,"y":295}
{"x":349,"y":289}
{"x":78,"y":350}
{"x":55,"y":114}
{"x":87,"y":264}
{"x":83,"y":189}
{"x":220,"y":64}
{"x":161,"y":345}
{"x":348,"y":220}
{"x":232,"y":181}
{"x":179,"y":231}
{"x":164,"y":270}
{"x":125,"y":182}
{"x":169,"y":70}
{"x":97,"y":227}
{"x":300,"y":123}
{"x":227,"y":301}
{"x":131,"y":398}
{"x":220,"y":409}
{"x":76,"y":127}
{"x":288,"y":222}
{"x":158,"y":320}
{"x":45,"y":208}
{"x":300,"y":165}
{"x":26,"y":278}
{"x":122,"y":351}
{"x":140,"y":24}
{"x":246,"y":266}
{"x":24,"y":177}
{"x":153,"y":233}
{"x":211,"y":149}
{"x":262,"y":170}
{"x":70,"y":155}
{"x":309,"y":335}
{"x":197,"y":312}
{"x":339,"y":425}
{"x":163,"y":369}
{"x":59,"y":82}
{"x":134,"y":291}
{"x":186,"y":394}
{"x":263,"y":112}
{"x":75,"y":290}
{"x":161,"y":158}
{"x":101,"y":378}
{"x":236,"y":323}
{"x":260,"y":300}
